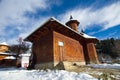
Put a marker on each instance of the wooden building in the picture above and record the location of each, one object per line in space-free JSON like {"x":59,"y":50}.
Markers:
{"x":3,"y":48}
{"x":6,"y":59}
{"x":56,"y":45}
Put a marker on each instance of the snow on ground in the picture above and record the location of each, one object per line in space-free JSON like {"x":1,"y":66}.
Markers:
{"x":19,"y":74}
{"x":111,"y":66}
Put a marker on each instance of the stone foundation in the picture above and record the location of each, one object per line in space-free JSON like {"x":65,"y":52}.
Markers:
{"x":72,"y":65}
{"x":65,"y":65}
{"x":92,"y":62}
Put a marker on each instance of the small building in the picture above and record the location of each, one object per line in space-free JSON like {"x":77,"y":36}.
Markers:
{"x":55,"y":45}
{"x":6,"y":58}
{"x":3,"y":48}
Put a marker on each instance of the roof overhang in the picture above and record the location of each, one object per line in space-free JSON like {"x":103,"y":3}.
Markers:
{"x":53,"y":24}
{"x":7,"y":54}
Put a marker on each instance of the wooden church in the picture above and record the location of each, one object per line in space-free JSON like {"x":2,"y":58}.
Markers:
{"x":55,"y":45}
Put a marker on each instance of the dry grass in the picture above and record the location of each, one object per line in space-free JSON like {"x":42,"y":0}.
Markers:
{"x":113,"y":74}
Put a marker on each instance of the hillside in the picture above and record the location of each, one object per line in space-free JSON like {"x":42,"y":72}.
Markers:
{"x":110,"y":47}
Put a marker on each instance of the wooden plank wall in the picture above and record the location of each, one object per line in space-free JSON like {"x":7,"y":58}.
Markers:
{"x":92,"y":53}
{"x":43,"y":49}
{"x":2,"y":57}
{"x":71,"y":51}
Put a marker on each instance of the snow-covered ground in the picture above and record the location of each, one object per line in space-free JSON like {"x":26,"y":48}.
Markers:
{"x":20,"y":74}
{"x":111,"y":66}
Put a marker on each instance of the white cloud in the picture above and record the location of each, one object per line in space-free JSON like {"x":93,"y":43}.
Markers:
{"x":12,"y":11}
{"x":12,"y":14}
{"x":25,"y":31}
{"x":108,"y":16}
{"x":35,"y":24}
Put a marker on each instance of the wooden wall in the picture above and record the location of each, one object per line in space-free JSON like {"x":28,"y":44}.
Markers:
{"x":90,"y":53}
{"x":47,"y":49}
{"x":2,"y":57}
{"x":71,"y":51}
{"x":43,"y":49}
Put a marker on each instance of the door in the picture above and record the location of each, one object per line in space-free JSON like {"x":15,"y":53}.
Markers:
{"x":61,"y":50}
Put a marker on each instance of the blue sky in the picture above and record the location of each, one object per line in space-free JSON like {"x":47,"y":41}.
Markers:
{"x":18,"y":18}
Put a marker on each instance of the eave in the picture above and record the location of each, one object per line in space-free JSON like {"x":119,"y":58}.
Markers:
{"x":53,"y":24}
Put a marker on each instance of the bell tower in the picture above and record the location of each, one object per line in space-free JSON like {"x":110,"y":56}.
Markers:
{"x":73,"y":24}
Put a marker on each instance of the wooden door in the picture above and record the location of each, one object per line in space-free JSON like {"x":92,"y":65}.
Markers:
{"x":61,"y":50}
{"x":60,"y":53}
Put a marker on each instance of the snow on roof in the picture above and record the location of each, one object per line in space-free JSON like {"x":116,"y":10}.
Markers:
{"x":83,"y":34}
{"x":4,"y":53}
{"x":54,"y":19}
{"x":4,"y":43}
{"x":87,"y":36}
{"x":10,"y":57}
{"x":25,"y":55}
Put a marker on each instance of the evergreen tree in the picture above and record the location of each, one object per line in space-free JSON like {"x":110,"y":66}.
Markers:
{"x":109,"y":47}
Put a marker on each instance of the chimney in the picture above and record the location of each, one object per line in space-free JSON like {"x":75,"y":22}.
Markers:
{"x":73,"y":24}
